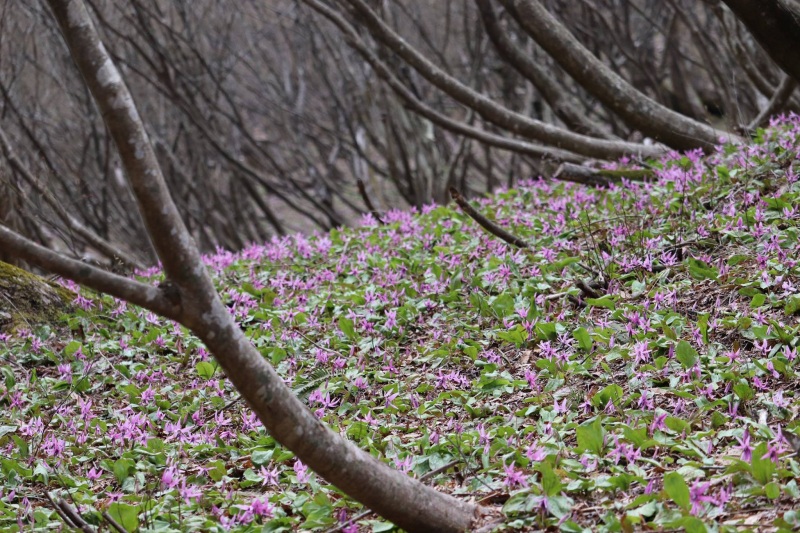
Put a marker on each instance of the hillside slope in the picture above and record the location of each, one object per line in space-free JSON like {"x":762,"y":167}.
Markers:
{"x":635,"y":367}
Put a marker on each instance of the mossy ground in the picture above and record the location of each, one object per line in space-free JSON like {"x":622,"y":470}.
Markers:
{"x":27,"y":299}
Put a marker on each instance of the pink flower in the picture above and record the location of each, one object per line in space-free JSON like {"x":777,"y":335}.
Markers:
{"x":189,"y":492}
{"x":744,"y":446}
{"x":698,"y":496}
{"x":301,"y":471}
{"x":514,"y":477}
{"x":269,"y":477}
{"x":170,"y":478}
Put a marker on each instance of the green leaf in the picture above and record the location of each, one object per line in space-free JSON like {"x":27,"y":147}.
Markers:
{"x":125,"y":515}
{"x":41,"y":473}
{"x":743,"y":391}
{"x":318,"y":512}
{"x":71,"y":348}
{"x":736,"y":259}
{"x":611,"y":393}
{"x":379,"y":526}
{"x":758,"y":300}
{"x":792,"y":306}
{"x":521,"y":502}
{"x":22,"y":446}
{"x":762,"y":467}
{"x":702,"y":324}
{"x":584,"y":339}
{"x":503,"y":305}
{"x":560,"y":505}
{"x":546,"y":330}
{"x":676,"y":424}
{"x":9,"y":377}
{"x":590,"y":437}
{"x":638,"y":437}
{"x":677,"y":489}
{"x":686,"y":354}
{"x":786,"y":337}
{"x":205,"y":369}
{"x":346,"y":325}
{"x":702,"y":270}
{"x":216,"y":470}
{"x":261,"y":457}
{"x":276,"y":355}
{"x":643,"y":505}
{"x":692,"y":524}
{"x":479,"y":302}
{"x":718,"y":420}
{"x":122,"y":468}
{"x":551,"y":483}
{"x":606,"y":301}
{"x":772,"y":490}
{"x":358,"y":430}
{"x":517,"y":336}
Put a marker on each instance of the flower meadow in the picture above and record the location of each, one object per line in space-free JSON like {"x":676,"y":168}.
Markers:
{"x":634,"y":368}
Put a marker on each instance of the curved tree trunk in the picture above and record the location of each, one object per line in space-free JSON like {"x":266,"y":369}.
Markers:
{"x":487,"y":108}
{"x":415,"y":104}
{"x":776,"y":26}
{"x":560,"y":101}
{"x":189,"y":297}
{"x":634,"y":107}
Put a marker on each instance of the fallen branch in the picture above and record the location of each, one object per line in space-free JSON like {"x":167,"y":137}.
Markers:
{"x":589,"y":289}
{"x":70,"y":516}
{"x":487,"y":224}
{"x":595,"y":177}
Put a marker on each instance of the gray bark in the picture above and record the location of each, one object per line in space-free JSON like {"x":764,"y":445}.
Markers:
{"x":190,"y":298}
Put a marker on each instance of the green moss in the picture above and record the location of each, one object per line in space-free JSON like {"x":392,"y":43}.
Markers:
{"x":27,"y":299}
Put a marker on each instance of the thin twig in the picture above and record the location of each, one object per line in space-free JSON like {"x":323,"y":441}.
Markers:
{"x":685,"y":243}
{"x":362,"y":190}
{"x":439,"y":470}
{"x":487,"y":224}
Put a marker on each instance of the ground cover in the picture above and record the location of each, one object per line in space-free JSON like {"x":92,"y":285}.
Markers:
{"x":634,"y":368}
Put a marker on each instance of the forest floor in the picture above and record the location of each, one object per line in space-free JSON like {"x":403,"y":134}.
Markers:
{"x":634,"y":368}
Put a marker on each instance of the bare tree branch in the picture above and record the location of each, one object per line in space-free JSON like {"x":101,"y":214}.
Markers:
{"x":418,"y":106}
{"x":487,"y":224}
{"x":108,"y":249}
{"x":779,"y":99}
{"x":196,"y":304}
{"x":637,"y":109}
{"x":776,"y":26}
{"x":120,"y":287}
{"x":557,"y":98}
{"x":362,"y":190}
{"x":488,"y":108}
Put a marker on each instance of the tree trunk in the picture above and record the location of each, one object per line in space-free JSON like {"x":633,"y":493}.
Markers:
{"x":634,"y":107}
{"x":776,"y":26}
{"x":189,"y":297}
